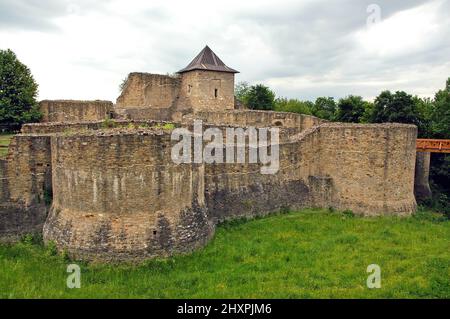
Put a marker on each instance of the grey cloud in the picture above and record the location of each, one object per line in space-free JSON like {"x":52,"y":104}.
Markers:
{"x":313,"y":40}
{"x":39,"y":15}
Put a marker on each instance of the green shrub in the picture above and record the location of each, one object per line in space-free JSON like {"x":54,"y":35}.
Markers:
{"x":108,"y":123}
{"x":348,"y":213}
{"x":168,"y":126}
{"x":51,"y":249}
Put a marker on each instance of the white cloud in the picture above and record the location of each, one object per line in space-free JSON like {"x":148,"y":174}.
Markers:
{"x":407,"y":31}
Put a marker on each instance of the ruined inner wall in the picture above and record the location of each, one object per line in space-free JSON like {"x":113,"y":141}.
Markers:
{"x":162,"y":97}
{"x":25,"y":186}
{"x":71,"y":128}
{"x":256,"y":118}
{"x":119,"y":196}
{"x":74,"y":111}
{"x":206,"y":91}
{"x":148,"y":96}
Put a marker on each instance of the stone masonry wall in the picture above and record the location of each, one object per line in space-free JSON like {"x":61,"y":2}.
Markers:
{"x":368,"y":169}
{"x":146,"y":90}
{"x":74,"y":111}
{"x":25,"y":185}
{"x":70,"y":128}
{"x":206,"y":91}
{"x":371,"y":166}
{"x":119,"y":196}
{"x":257,"y":118}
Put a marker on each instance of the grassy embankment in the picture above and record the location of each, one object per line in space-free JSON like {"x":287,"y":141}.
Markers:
{"x":307,"y":254}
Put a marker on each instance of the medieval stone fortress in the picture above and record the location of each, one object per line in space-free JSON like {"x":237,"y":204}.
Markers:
{"x":116,"y":194}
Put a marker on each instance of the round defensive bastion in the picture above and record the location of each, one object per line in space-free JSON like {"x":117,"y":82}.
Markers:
{"x":119,"y":196}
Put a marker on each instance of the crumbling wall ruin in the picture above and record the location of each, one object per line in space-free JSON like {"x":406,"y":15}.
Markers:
{"x":74,"y":111}
{"x":148,"y":96}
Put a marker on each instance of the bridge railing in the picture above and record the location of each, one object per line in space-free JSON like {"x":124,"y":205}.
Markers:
{"x":433,"y":145}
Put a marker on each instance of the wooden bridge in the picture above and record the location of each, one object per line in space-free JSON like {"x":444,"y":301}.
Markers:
{"x":433,"y":145}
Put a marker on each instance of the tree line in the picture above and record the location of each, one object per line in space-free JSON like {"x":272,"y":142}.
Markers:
{"x":430,"y":115}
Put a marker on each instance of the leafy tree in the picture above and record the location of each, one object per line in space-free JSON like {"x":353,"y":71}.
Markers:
{"x":351,"y":109}
{"x":399,"y":107}
{"x":241,"y":92}
{"x":425,"y":108}
{"x":325,"y":108}
{"x":293,"y":105}
{"x":368,"y":111}
{"x":381,"y":103}
{"x":123,"y":84}
{"x":18,"y":91}
{"x":441,"y":115}
{"x":260,"y":97}
{"x":440,"y":163}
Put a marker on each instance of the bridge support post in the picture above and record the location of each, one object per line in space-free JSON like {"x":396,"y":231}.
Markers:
{"x":422,"y":189}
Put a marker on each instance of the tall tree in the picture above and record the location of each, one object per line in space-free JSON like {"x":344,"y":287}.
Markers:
{"x":293,"y":105}
{"x":241,"y":92}
{"x":18,"y":91}
{"x":351,"y":109}
{"x":325,"y":108}
{"x":440,"y":163}
{"x":441,"y":115}
{"x":260,"y":97}
{"x":399,"y":107}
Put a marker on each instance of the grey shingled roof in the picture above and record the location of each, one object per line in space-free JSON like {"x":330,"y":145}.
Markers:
{"x":209,"y":61}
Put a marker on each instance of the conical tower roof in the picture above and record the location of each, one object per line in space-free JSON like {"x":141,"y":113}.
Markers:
{"x":207,"y":60}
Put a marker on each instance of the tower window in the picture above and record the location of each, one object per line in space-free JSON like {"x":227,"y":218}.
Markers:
{"x":215,"y":93}
{"x":189,"y":88}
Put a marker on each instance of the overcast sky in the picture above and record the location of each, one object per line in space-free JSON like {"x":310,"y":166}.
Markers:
{"x":301,"y":49}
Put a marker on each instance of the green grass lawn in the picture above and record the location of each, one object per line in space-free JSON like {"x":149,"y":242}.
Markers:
{"x":307,"y":254}
{"x":5,"y":139}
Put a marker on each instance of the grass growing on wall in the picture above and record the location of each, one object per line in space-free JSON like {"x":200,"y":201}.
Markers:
{"x":307,"y":254}
{"x":5,"y":139}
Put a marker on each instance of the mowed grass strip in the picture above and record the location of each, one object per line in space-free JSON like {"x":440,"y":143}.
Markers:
{"x":307,"y":254}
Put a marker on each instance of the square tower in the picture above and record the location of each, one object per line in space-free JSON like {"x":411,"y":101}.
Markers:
{"x":207,"y":84}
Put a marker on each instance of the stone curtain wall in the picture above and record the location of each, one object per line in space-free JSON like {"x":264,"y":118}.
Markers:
{"x":257,"y":118}
{"x":119,"y":196}
{"x":74,"y":111}
{"x":25,"y":185}
{"x":72,"y":128}
{"x":368,"y":169}
{"x":371,"y":166}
